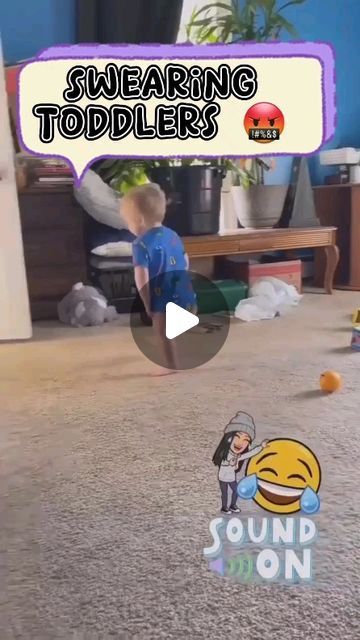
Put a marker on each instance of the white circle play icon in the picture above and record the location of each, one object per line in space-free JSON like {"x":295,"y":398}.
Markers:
{"x":197,"y":337}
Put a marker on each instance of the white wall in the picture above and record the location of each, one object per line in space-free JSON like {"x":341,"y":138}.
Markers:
{"x":15,"y":321}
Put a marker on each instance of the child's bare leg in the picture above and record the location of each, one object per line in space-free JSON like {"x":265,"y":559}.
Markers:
{"x":167,"y":346}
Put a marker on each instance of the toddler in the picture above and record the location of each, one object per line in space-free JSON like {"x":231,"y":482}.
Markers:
{"x":160,"y":263}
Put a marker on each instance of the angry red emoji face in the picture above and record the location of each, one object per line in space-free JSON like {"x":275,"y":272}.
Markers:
{"x":264,"y":122}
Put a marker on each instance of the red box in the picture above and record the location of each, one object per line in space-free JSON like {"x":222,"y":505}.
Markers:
{"x":11,"y":82}
{"x":290,"y":271}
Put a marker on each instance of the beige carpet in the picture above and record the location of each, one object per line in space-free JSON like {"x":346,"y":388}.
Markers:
{"x":107,"y":485}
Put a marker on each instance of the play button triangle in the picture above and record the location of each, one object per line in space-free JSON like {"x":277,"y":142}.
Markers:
{"x":178,"y":320}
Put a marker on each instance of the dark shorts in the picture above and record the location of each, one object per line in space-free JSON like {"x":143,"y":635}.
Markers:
{"x":189,"y":304}
{"x":166,"y":289}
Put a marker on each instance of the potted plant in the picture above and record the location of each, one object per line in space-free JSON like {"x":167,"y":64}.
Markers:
{"x":121,"y":174}
{"x":193,"y":188}
{"x":256,"y":204}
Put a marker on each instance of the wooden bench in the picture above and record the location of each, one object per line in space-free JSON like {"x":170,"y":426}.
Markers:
{"x":250,"y":241}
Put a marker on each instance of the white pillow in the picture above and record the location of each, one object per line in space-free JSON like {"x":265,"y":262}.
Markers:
{"x":100,"y":201}
{"x":114,"y":250}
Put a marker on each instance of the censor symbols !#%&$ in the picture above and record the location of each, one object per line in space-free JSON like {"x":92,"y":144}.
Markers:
{"x":264,"y":122}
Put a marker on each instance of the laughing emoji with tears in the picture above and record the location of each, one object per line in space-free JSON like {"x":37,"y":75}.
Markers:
{"x":284,"y":478}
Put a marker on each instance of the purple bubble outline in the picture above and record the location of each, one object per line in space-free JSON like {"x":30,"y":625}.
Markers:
{"x":322,"y":51}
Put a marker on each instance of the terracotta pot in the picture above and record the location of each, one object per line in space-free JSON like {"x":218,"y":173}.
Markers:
{"x":259,"y":206}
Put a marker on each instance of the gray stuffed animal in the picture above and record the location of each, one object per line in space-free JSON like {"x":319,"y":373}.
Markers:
{"x":84,"y":306}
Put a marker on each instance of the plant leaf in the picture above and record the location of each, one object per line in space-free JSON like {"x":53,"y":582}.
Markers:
{"x":289,"y":4}
{"x":209,"y":35}
{"x":269,"y":5}
{"x":204,"y":22}
{"x":219,"y":5}
{"x":285,"y":24}
{"x":197,"y":12}
{"x":209,"y":9}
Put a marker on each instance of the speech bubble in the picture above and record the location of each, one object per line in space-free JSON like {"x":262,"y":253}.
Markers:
{"x":86,"y":102}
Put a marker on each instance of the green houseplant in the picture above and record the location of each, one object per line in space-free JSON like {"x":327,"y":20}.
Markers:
{"x":122,"y":174}
{"x":256,"y":204}
{"x":240,"y":21}
{"x":183,"y":181}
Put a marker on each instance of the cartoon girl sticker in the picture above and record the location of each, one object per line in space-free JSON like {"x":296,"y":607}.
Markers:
{"x":233,"y":449}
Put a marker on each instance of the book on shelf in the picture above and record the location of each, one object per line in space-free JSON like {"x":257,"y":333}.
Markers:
{"x":64,"y":179}
{"x":44,"y":172}
{"x":41,"y":163}
{"x":52,"y":175}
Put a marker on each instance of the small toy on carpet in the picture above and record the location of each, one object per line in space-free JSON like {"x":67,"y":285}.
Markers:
{"x":330,"y":381}
{"x":208,"y":327}
{"x":85,"y":306}
{"x":356,"y":318}
{"x":355,"y":338}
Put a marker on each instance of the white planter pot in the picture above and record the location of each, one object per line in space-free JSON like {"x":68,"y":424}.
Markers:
{"x":241,"y":203}
{"x":259,"y":206}
{"x":228,"y":218}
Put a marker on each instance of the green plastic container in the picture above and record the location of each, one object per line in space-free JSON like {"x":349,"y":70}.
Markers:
{"x":224,"y":296}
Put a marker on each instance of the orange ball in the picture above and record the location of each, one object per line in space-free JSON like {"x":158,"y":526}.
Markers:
{"x":330,"y":381}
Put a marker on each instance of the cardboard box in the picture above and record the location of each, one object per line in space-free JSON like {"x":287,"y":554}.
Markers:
{"x":290,"y":271}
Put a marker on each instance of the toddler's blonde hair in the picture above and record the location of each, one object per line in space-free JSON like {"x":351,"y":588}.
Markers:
{"x":150,"y":200}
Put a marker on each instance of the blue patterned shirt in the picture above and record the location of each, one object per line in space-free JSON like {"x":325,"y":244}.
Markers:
{"x":161,"y":251}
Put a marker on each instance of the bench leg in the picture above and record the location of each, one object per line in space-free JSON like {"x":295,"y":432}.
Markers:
{"x":332,"y":258}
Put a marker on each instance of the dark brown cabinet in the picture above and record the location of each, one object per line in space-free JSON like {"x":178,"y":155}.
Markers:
{"x":52,"y":227}
{"x":339,"y":206}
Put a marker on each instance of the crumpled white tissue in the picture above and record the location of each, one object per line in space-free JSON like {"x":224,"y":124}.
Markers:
{"x":269,"y":297}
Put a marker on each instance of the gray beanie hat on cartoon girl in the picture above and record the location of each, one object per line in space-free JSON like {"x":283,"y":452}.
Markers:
{"x":242,"y":422}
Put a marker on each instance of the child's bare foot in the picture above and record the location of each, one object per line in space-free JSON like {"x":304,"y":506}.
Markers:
{"x":163,"y":371}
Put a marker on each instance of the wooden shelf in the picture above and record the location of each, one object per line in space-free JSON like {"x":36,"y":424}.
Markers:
{"x":248,"y":241}
{"x":54,"y":248}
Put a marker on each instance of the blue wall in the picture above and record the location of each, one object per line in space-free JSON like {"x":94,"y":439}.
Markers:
{"x":336,"y":22}
{"x":27,"y":26}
